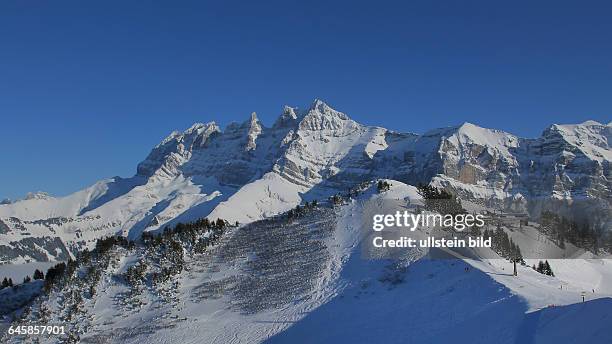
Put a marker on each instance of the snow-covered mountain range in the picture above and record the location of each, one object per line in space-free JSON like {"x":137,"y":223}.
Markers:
{"x":247,"y":172}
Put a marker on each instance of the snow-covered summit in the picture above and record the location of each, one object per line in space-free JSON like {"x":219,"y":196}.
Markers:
{"x":37,"y":195}
{"x":590,"y":138}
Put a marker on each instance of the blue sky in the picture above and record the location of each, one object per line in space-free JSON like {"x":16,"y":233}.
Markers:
{"x":88,"y":88}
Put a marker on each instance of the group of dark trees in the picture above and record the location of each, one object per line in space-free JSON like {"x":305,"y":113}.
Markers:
{"x":106,"y":244}
{"x":544,"y":268}
{"x":300,"y":211}
{"x":162,"y":257}
{"x":38,"y":275}
{"x":383,"y":186}
{"x":170,"y":240}
{"x":167,"y":249}
{"x":136,"y":274}
{"x":444,"y":202}
{"x":336,"y":199}
{"x":54,"y":273}
{"x":75,"y":279}
{"x":8,"y":282}
{"x":440,"y":200}
{"x":503,"y":245}
{"x":189,"y":234}
{"x":170,"y":260}
{"x":339,"y":198}
{"x":562,"y":230}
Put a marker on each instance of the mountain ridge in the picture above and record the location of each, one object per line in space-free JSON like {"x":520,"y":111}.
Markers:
{"x":247,"y":171}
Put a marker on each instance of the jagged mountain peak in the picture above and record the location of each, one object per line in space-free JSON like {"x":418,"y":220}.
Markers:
{"x":253,"y":118}
{"x":254,"y":130}
{"x":253,"y":123}
{"x":250,"y":122}
{"x":173,"y":135}
{"x":289,"y":112}
{"x":321,"y":116}
{"x":321,"y":107}
{"x":176,"y":148}
{"x":288,"y":117}
{"x":195,"y":127}
{"x":198,"y":134}
{"x":193,"y":131}
{"x":318,"y":103}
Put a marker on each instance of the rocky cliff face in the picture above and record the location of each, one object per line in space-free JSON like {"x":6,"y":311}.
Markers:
{"x":566,"y":162}
{"x":248,"y":171}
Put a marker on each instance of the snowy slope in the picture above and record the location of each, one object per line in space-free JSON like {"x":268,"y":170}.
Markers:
{"x":304,"y":280}
{"x":45,"y":206}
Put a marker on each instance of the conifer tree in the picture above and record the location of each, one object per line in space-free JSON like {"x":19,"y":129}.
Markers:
{"x":383,"y":186}
{"x":547,"y":269}
{"x":38,"y":275}
{"x":540,"y":267}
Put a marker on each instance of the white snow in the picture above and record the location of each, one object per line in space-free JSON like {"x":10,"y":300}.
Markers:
{"x":591,"y":138}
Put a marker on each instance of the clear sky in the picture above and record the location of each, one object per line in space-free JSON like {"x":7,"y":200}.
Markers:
{"x":87,"y":88}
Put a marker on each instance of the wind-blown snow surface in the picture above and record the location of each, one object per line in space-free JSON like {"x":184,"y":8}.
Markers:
{"x":305,"y":281}
{"x":248,"y":172}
